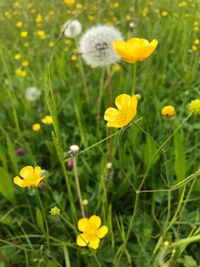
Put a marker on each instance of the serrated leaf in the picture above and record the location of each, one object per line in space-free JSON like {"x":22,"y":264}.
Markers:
{"x":6,"y":185}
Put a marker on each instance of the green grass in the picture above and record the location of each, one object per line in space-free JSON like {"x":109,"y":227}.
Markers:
{"x":149,"y":199}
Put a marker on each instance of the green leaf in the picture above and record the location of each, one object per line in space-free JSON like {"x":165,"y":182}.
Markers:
{"x":39,"y":219}
{"x":6,"y":185}
{"x":179,"y":164}
{"x":51,"y":264}
{"x":188,"y":261}
{"x":149,"y":149}
{"x":12,"y":154}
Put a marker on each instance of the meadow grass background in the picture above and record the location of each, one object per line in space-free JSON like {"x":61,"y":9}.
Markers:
{"x":159,"y":226}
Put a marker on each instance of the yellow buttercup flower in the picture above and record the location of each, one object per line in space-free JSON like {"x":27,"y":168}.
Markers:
{"x":135,"y":49}
{"x":127,"y":109}
{"x":19,"y":24}
{"x":168,"y":111}
{"x":36,"y":127}
{"x":69,"y":2}
{"x":24,"y":34}
{"x":41,"y":34}
{"x":47,"y":120}
{"x":91,"y":232}
{"x":194,"y":106}
{"x":31,"y":177}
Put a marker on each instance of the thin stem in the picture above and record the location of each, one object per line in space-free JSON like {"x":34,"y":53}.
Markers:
{"x":110,"y":131}
{"x":134,"y":77}
{"x":78,"y":188}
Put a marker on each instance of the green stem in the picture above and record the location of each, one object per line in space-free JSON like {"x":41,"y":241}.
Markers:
{"x":78,"y":188}
{"x":134,"y":77}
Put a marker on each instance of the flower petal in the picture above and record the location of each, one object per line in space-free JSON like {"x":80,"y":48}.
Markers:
{"x":37,"y":171}
{"x":83,"y":224}
{"x":94,"y":243}
{"x":111,"y":114}
{"x":101,"y":232}
{"x":81,"y":240}
{"x":95,"y":221}
{"x":123,"y":101}
{"x":27,"y":172}
{"x":18,"y":181}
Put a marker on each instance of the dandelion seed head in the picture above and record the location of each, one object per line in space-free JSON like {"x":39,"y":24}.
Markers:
{"x":32,"y":93}
{"x":72,"y":28}
{"x":96,"y":45}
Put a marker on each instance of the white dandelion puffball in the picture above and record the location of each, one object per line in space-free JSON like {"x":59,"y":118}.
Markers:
{"x":96,"y":45}
{"x":32,"y":93}
{"x":72,"y":28}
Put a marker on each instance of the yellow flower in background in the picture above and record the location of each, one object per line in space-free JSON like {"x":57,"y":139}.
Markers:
{"x":54,"y":211}
{"x":79,"y":6}
{"x":164,"y":13}
{"x":41,"y":34}
{"x":25,"y":63}
{"x":135,"y":49}
{"x":194,"y":106}
{"x":21,"y":72}
{"x":168,"y":111}
{"x":47,"y":120}
{"x":24,"y":34}
{"x":17,"y":56}
{"x":91,"y":232}
{"x":38,"y":19}
{"x":127,"y":109}
{"x":36,"y":127}
{"x":69,"y":2}
{"x":31,"y":177}
{"x":19,"y":24}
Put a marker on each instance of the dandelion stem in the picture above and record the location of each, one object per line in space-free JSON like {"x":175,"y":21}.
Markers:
{"x":134,"y":77}
{"x":78,"y":188}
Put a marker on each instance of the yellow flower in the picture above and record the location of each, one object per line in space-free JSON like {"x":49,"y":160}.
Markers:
{"x":92,"y":232}
{"x":38,"y":19}
{"x":79,"y":6}
{"x":25,"y":63}
{"x":197,"y":41}
{"x":135,"y":49}
{"x":17,"y":56}
{"x":127,"y":109}
{"x":47,"y":120}
{"x":164,"y":13}
{"x":19,"y":24}
{"x":24,"y":34}
{"x":31,"y":177}
{"x":69,"y":2}
{"x":168,"y":111}
{"x":36,"y":127}
{"x":194,"y":106}
{"x":54,"y":211}
{"x":41,"y":34}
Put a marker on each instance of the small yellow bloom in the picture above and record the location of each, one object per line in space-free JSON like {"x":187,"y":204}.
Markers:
{"x":91,"y":232}
{"x":91,"y":18}
{"x":145,"y":11}
{"x":24,"y":34}
{"x":36,"y":127}
{"x":19,"y":24}
{"x":135,"y":49}
{"x":194,"y":48}
{"x":127,"y":109}
{"x":69,"y":2}
{"x":54,"y":211}
{"x":31,"y":177}
{"x":38,"y":19}
{"x":51,"y":44}
{"x":23,"y":73}
{"x":197,"y":41}
{"x":168,"y":111}
{"x":47,"y":120}
{"x":17,"y":56}
{"x":164,"y":13}
{"x":25,"y":63}
{"x":79,"y":6}
{"x":194,"y":106}
{"x":85,"y":202}
{"x":41,"y":34}
{"x":116,"y":67}
{"x":74,"y":58}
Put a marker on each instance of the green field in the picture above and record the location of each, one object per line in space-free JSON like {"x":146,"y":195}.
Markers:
{"x":142,"y":178}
